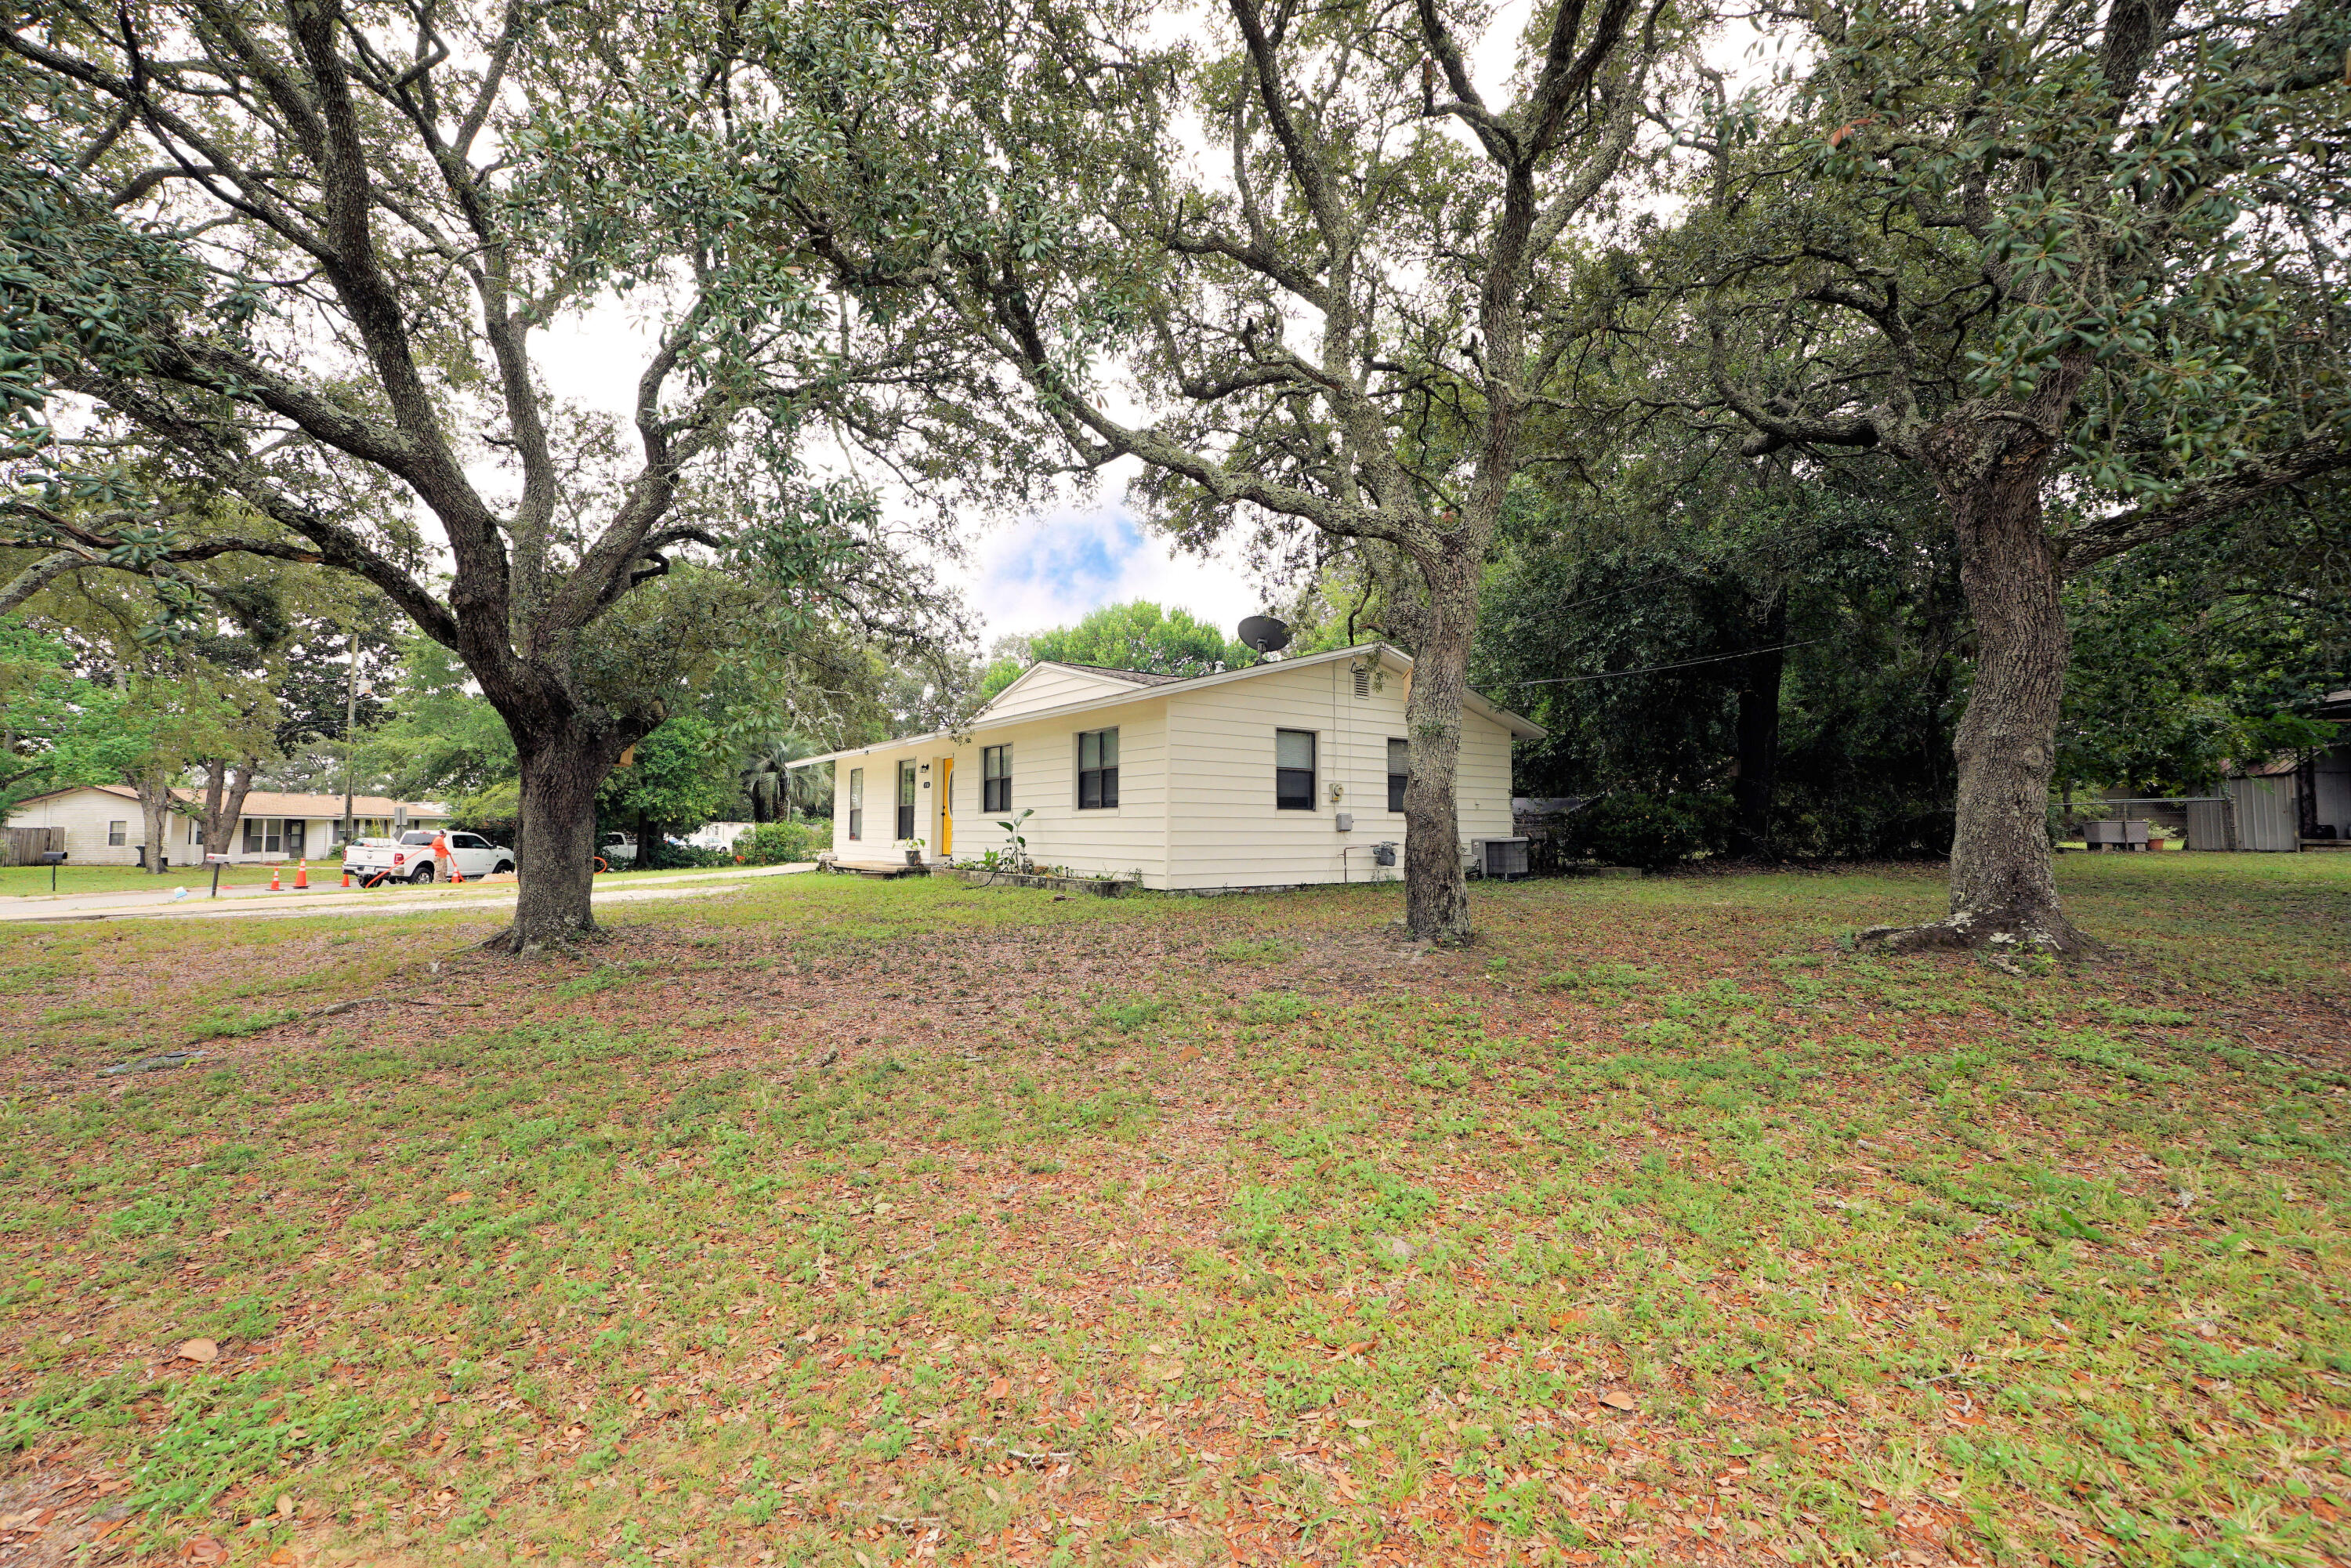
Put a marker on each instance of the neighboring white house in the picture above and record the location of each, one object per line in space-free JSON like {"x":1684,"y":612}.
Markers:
{"x":1279,"y":774}
{"x":716,"y":835}
{"x":104,"y":826}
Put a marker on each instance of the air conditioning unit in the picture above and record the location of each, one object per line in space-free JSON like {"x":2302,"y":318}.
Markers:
{"x":1503,"y":858}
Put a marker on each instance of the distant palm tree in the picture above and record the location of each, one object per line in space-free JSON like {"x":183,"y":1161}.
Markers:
{"x":773,"y":789}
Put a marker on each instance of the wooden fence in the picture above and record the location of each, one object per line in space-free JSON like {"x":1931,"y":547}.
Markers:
{"x":26,"y":846}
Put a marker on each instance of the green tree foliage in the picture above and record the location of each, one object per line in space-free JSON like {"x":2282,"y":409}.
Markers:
{"x":1650,"y":626}
{"x":442,"y":742}
{"x":682,"y":774}
{"x":299,"y":257}
{"x":57,"y":728}
{"x":1136,"y":636}
{"x":2210,"y":649}
{"x":2080,"y":249}
{"x":1340,"y":332}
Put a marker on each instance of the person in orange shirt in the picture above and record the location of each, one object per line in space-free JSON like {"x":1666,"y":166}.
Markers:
{"x":442,"y":863}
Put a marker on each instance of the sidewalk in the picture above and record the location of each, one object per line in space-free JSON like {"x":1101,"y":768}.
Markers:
{"x":399,"y":898}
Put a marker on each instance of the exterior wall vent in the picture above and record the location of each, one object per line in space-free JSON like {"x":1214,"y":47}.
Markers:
{"x":1363,"y":683}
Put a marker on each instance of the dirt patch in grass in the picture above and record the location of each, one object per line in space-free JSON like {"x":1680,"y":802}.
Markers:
{"x":840,"y":1221}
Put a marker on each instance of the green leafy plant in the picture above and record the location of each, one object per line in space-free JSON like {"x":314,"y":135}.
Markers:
{"x":1016,"y":854}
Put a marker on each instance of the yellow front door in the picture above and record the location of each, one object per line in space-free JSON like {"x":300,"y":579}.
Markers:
{"x":947,"y":806}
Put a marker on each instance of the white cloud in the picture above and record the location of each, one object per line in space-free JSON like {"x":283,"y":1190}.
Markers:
{"x":1051,"y":571}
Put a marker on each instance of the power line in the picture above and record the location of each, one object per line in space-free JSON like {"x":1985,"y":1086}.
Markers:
{"x":1653,"y":669}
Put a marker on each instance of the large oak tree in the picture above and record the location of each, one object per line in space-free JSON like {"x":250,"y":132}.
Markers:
{"x":1337,"y":320}
{"x":306,"y":251}
{"x":2078,"y":265}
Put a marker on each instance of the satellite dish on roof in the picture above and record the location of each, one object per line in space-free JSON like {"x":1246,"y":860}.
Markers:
{"x":1264,"y":633}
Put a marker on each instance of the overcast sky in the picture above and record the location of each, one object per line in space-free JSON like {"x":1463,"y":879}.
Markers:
{"x":1051,"y":568}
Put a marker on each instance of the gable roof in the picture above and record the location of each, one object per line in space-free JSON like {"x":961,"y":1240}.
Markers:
{"x":1139,"y":677}
{"x":1518,"y":725}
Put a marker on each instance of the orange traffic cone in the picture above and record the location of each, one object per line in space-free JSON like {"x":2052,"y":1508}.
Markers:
{"x":347,"y":876}
{"x":275,"y":885}
{"x":302,"y":874}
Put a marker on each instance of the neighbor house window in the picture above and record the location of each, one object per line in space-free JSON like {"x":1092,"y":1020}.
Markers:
{"x":905,"y":800}
{"x":857,"y":802}
{"x":996,"y":779}
{"x":1399,"y":770}
{"x":1097,"y":769}
{"x":117,"y":831}
{"x":1293,"y":769}
{"x":265,"y":835}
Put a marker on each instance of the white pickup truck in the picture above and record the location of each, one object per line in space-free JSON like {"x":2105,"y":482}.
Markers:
{"x":408,"y":858}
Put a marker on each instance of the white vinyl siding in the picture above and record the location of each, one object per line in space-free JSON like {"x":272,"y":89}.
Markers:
{"x":1197,"y":803}
{"x":1118,"y":840}
{"x":1227,"y":832}
{"x":1051,"y":685}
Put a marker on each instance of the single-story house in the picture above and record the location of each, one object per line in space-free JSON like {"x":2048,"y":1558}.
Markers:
{"x":102,"y":824}
{"x":1283,"y":773}
{"x":2296,"y":802}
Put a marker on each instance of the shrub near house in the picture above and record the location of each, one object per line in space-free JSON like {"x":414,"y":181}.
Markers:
{"x":777,"y":844}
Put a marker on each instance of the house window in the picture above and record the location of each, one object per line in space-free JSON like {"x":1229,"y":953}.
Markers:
{"x":1399,"y":771}
{"x":116,"y":833}
{"x":1097,"y":769}
{"x":905,"y":800}
{"x":996,"y":779}
{"x":857,"y":802}
{"x":1293,"y":769}
{"x":264,"y":835}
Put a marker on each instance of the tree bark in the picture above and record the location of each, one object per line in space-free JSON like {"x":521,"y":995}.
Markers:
{"x":155,"y":809}
{"x":555,"y":842}
{"x":2004,"y":882}
{"x":1436,"y":892}
{"x":1757,"y":739}
{"x":223,"y":803}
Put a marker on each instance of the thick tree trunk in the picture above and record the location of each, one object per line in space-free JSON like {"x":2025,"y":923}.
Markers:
{"x":155,"y":813}
{"x":223,"y":804}
{"x":555,"y":842}
{"x":2004,"y":884}
{"x":1757,"y":738}
{"x":1436,"y":894}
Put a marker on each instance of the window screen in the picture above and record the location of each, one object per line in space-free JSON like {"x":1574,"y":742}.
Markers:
{"x":117,"y":831}
{"x":996,"y":779}
{"x":1399,"y":770}
{"x":1097,"y":769}
{"x":857,"y":802}
{"x":1293,"y":769}
{"x":905,"y":800}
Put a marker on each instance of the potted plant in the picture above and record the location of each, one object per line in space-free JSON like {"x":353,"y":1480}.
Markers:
{"x":914,"y":852}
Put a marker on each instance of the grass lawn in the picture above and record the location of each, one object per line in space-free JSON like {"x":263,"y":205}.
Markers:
{"x":1655,"y":1228}
{"x":22,"y":881}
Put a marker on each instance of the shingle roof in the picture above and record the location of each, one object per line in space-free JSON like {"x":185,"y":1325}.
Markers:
{"x":1140,"y":677}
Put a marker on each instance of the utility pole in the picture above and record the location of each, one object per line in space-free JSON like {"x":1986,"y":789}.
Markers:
{"x":351,"y":724}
